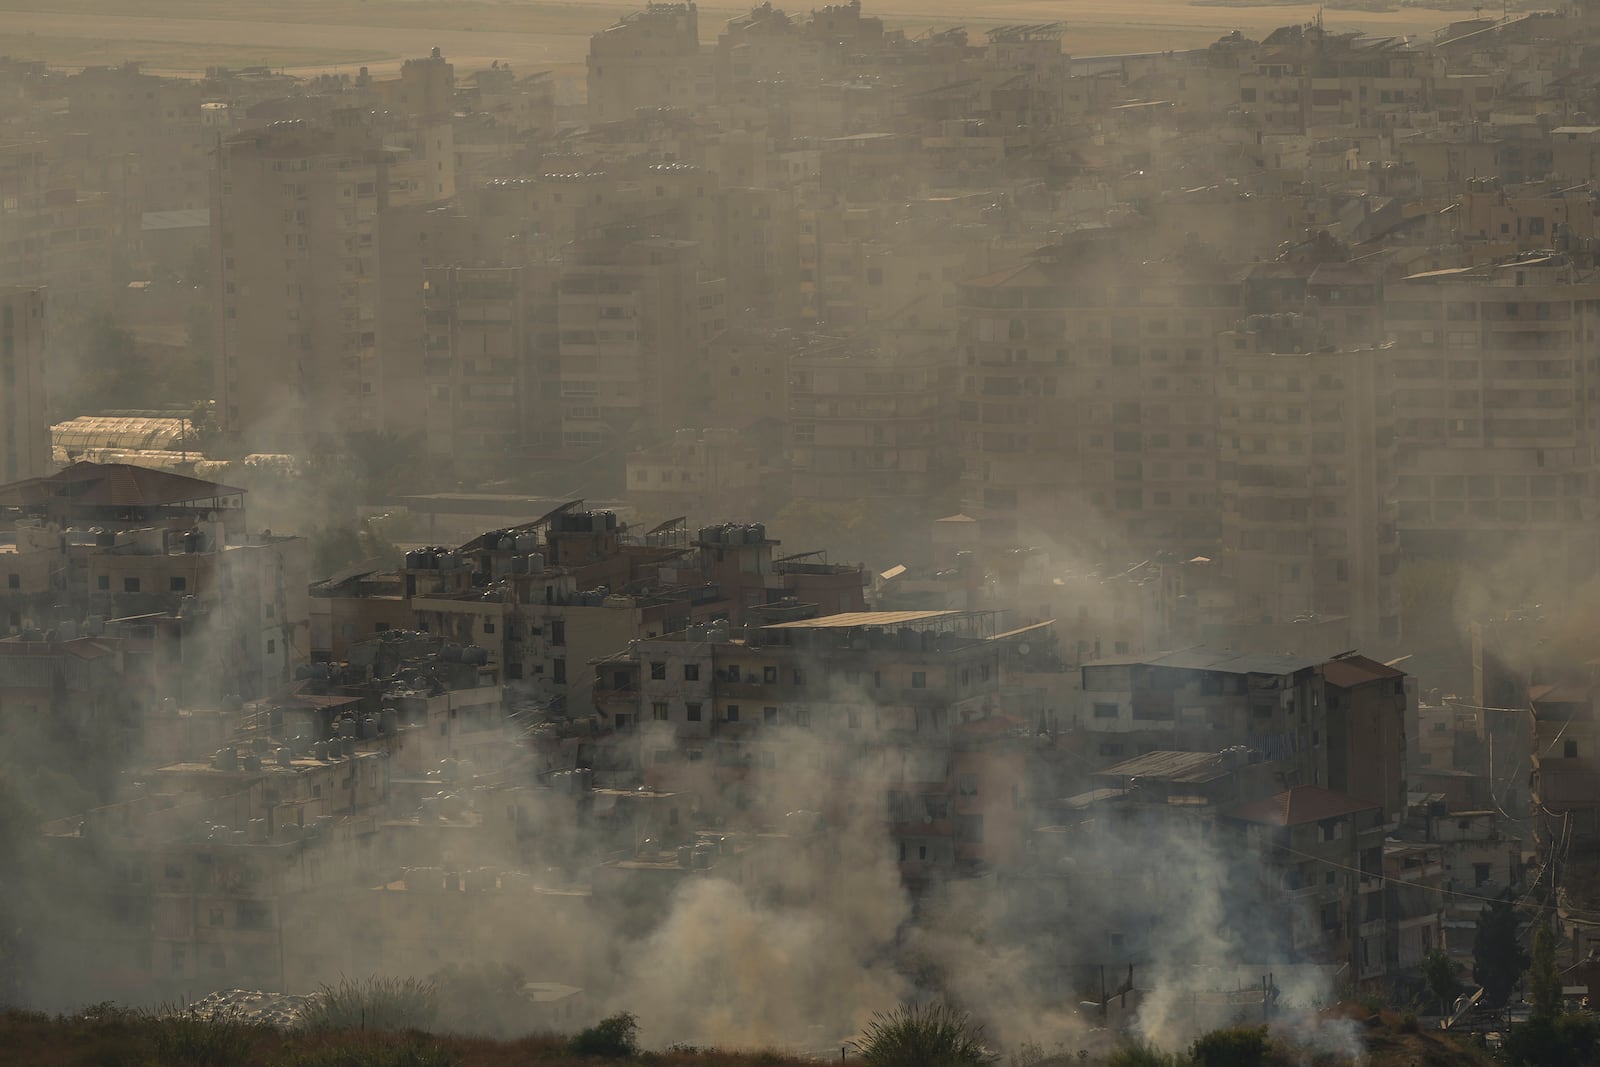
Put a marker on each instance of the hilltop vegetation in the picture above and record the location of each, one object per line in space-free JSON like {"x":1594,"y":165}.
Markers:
{"x":106,"y":1037}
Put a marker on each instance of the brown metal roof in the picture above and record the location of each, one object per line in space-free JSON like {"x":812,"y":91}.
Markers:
{"x":1299,"y":805}
{"x":1347,"y":672}
{"x":113,"y":485}
{"x":850,"y":619}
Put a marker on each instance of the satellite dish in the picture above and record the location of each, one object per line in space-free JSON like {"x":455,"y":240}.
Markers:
{"x":1024,"y":648}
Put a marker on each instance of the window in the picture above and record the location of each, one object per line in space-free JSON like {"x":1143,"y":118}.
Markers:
{"x":691,"y":672}
{"x":919,"y":680}
{"x":1570,"y":750}
{"x":853,"y":719}
{"x":967,"y":785}
{"x":130,"y":585}
{"x":1331,"y":831}
{"x":253,"y":916}
{"x":217,"y":917}
{"x":769,"y":675}
{"x":558,"y":671}
{"x":769,"y":716}
{"x":1105,"y":711}
{"x":13,"y":581}
{"x":102,"y":581}
{"x":658,"y":711}
{"x":1480,"y":874}
{"x":733,"y":713}
{"x":272,"y":647}
{"x":799,"y":676}
{"x":692,"y":711}
{"x":488,"y":627}
{"x":558,"y":632}
{"x":658,"y":672}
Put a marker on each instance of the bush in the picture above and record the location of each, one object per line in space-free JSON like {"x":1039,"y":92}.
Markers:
{"x":934,"y":1035}
{"x":410,"y":1053}
{"x":1242,"y":1046}
{"x":186,"y":1040}
{"x":484,"y":1000}
{"x":372,"y":1004}
{"x":612,"y":1038}
{"x":1140,"y":1054}
{"x":1408,"y":1023}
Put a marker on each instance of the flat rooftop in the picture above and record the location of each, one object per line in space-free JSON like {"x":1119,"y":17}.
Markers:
{"x":850,"y":619}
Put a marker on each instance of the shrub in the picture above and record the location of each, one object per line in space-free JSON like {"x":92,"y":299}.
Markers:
{"x":612,"y":1038}
{"x":372,"y":1004}
{"x":485,"y":1000}
{"x":1243,"y":1046}
{"x":188,"y":1040}
{"x":934,"y":1035}
{"x":410,"y":1053}
{"x":1139,"y":1054}
{"x":1408,"y":1023}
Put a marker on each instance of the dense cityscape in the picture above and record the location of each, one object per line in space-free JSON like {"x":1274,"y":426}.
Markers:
{"x":808,"y":517}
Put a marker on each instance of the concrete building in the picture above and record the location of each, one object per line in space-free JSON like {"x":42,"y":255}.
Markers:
{"x":24,"y":349}
{"x":296,"y":301}
{"x":1336,"y":723}
{"x":1494,"y":420}
{"x":869,"y":424}
{"x":1306,"y":459}
{"x":649,"y":59}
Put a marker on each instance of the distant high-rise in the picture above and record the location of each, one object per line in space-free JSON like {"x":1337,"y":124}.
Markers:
{"x":24,"y":428}
{"x":294,"y":235}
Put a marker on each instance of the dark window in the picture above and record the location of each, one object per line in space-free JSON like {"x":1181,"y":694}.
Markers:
{"x":178,"y":584}
{"x":102,"y":581}
{"x":733,"y":713}
{"x":658,"y":711}
{"x":1105,"y":711}
{"x":558,"y":632}
{"x":693,"y":712}
{"x":769,"y":716}
{"x":658,"y":672}
{"x":13,"y":581}
{"x":558,"y":671}
{"x":130,"y":585}
{"x":919,"y":680}
{"x":691,"y":672}
{"x":769,"y":675}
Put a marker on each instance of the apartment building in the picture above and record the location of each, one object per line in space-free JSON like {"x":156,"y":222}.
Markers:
{"x":1494,"y":419}
{"x":1321,"y":876}
{"x":24,"y":350}
{"x":649,"y":59}
{"x":294,"y":236}
{"x":1306,"y":458}
{"x":487,"y":364}
{"x":886,"y":716}
{"x":1337,"y":723}
{"x":870,"y":424}
{"x":699,"y":475}
{"x":166,"y":550}
{"x":1087,"y":391}
{"x":633,"y":318}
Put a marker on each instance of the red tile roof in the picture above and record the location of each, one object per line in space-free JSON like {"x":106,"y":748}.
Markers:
{"x":1299,"y":805}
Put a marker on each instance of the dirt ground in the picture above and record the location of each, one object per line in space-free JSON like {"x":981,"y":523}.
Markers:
{"x":313,"y":36}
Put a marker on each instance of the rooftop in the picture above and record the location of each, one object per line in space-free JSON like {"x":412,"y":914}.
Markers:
{"x":1220,"y":660}
{"x":1191,"y":768}
{"x":1300,"y":805}
{"x":115,"y":485}
{"x":850,"y":619}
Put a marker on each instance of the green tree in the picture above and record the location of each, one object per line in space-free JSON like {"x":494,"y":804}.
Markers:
{"x":1544,"y":984}
{"x":932,"y":1035}
{"x":1440,"y":971}
{"x":1497,"y":956}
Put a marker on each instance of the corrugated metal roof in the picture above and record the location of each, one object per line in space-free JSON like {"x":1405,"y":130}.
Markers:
{"x":1188,"y":767}
{"x":1221,"y":660}
{"x":1347,"y":672}
{"x":1299,"y":805}
{"x":850,"y":619}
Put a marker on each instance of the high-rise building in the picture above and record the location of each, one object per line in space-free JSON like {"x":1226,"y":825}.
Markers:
{"x":294,"y":234}
{"x":650,"y":58}
{"x":1493,"y":370}
{"x":24,"y":428}
{"x":1306,"y":477}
